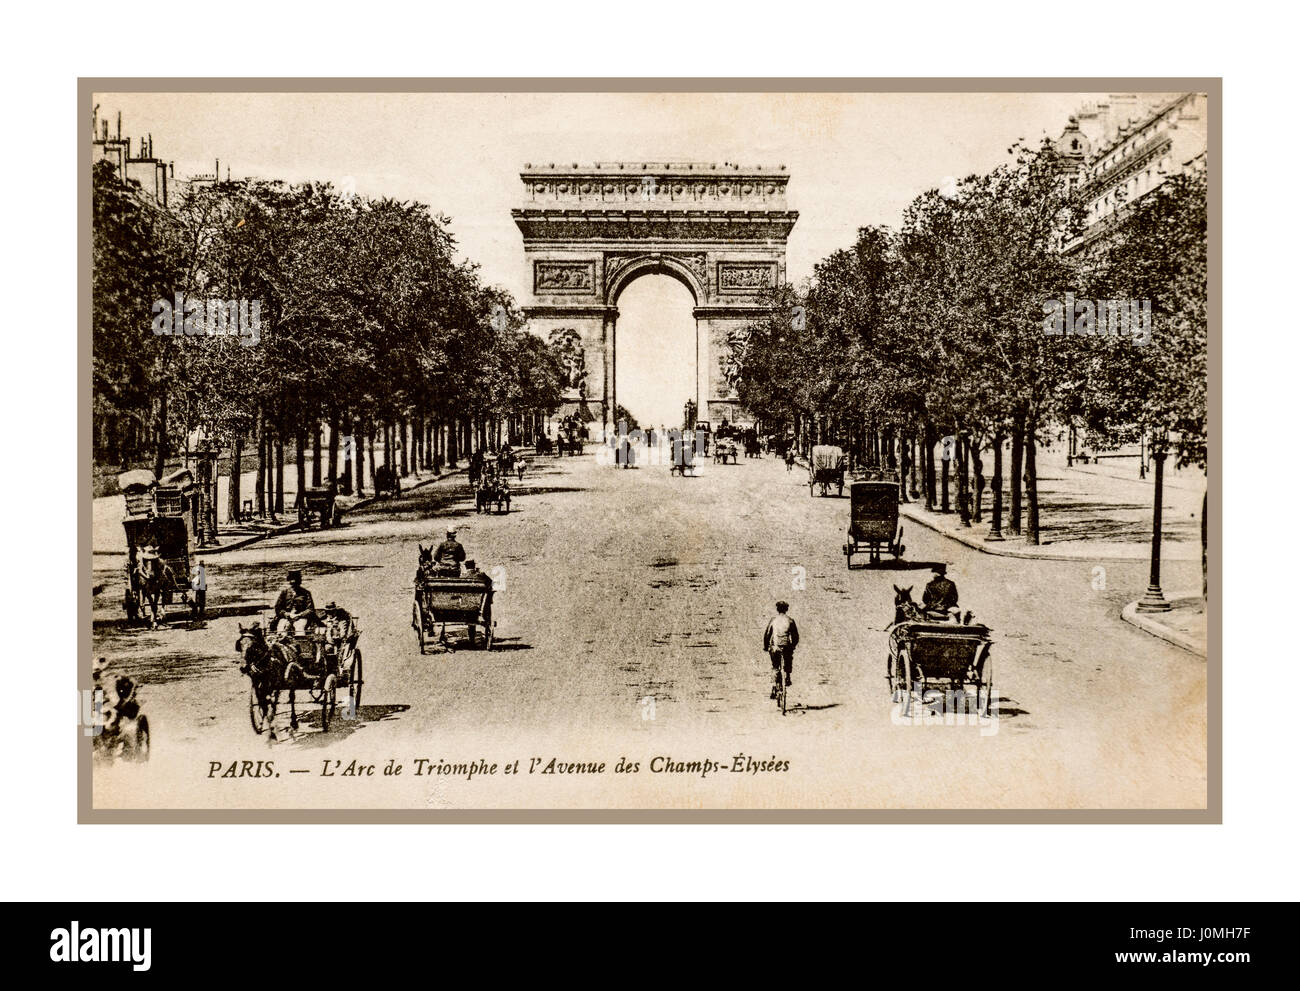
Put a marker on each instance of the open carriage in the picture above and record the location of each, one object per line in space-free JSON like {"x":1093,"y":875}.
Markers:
{"x":320,"y":662}
{"x":873,"y":521}
{"x":926,"y":657}
{"x":459,"y":601}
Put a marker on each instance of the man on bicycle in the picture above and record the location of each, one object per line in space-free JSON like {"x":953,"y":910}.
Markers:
{"x":779,"y":640}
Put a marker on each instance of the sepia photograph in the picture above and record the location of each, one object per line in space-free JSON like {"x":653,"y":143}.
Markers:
{"x":645,"y":450}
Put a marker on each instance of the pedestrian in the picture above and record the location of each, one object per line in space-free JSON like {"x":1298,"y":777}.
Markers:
{"x":779,"y":641}
{"x":199,"y":586}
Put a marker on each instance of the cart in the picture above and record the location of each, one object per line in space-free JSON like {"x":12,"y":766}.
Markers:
{"x":317,"y":503}
{"x":724,"y":450}
{"x":826,"y":468}
{"x":460,"y":601}
{"x":924,"y":657}
{"x":319,"y":663}
{"x":873,"y":521}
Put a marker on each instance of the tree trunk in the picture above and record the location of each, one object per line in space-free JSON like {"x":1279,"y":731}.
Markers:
{"x":977,"y":513}
{"x":931,"y":489}
{"x":1031,"y":484}
{"x":995,"y":531}
{"x":332,"y":480}
{"x":349,"y":432}
{"x":1017,"y":471}
{"x":315,"y":454}
{"x":301,"y":458}
{"x":946,"y":463}
{"x":233,"y":508}
{"x":402,"y":445}
{"x":963,"y":482}
{"x":261,"y":465}
{"x":279,"y":473}
{"x":359,"y":442}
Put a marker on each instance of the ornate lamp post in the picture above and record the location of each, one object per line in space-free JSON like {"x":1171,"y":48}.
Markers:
{"x":1154,"y":599}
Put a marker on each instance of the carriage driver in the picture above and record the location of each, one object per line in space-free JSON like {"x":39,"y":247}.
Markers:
{"x":295,"y":603}
{"x":940,"y":596}
{"x":450,"y":554}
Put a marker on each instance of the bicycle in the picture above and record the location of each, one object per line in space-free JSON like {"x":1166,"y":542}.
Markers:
{"x":782,"y":693}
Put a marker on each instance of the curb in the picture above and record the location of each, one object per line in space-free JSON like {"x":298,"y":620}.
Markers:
{"x":1147,"y":624}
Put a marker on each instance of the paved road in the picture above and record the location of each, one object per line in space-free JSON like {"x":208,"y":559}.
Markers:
{"x":629,"y":626}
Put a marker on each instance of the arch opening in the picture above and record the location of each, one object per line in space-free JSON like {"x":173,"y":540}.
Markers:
{"x":655,"y":371}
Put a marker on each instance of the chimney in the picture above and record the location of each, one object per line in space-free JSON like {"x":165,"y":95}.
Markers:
{"x":119,"y":125}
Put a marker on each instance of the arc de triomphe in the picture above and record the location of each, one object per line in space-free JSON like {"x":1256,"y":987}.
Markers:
{"x":590,"y":231}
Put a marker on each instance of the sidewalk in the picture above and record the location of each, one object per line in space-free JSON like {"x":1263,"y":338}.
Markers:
{"x":1183,"y":625}
{"x":1086,"y":512}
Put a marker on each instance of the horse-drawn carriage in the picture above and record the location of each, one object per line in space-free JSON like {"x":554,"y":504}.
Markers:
{"x":544,"y":445}
{"x":873,"y":521}
{"x":318,"y":661}
{"x":826,"y":468}
{"x":492,"y":488}
{"x":160,"y":525}
{"x":440,"y":600}
{"x":726,"y":449}
{"x":925,"y":657}
{"x":317,"y":503}
{"x":387,"y":482}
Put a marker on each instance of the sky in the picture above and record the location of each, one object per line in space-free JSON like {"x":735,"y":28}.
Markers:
{"x":853,"y":158}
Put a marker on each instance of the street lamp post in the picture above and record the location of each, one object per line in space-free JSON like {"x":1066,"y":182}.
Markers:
{"x":1154,"y":600}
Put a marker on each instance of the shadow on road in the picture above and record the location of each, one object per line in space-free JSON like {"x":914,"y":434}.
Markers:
{"x":340,"y":727}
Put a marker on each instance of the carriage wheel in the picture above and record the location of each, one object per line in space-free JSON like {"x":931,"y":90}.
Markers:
{"x":354,"y":684}
{"x":327,"y":702}
{"x":261,"y":711}
{"x":985,"y":702}
{"x":905,"y":677}
{"x":417,"y":621}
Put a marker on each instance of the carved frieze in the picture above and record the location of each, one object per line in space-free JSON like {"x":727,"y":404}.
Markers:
{"x":567,"y":278}
{"x":745,"y":278}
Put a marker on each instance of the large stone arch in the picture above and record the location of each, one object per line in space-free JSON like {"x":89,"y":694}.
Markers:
{"x":589,"y":232}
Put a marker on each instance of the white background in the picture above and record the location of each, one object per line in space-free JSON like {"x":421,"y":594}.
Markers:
{"x":50,"y":857}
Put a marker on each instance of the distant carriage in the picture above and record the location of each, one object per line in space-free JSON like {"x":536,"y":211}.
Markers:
{"x":387,"y":483}
{"x":873,"y":521}
{"x":317,"y":503}
{"x":826,"y":468}
{"x":726,"y":450}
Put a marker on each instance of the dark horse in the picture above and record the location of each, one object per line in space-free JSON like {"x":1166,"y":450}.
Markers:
{"x":272,"y":667}
{"x":154,"y":577}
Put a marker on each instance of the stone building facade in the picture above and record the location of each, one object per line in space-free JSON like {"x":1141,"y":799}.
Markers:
{"x":590,"y":231}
